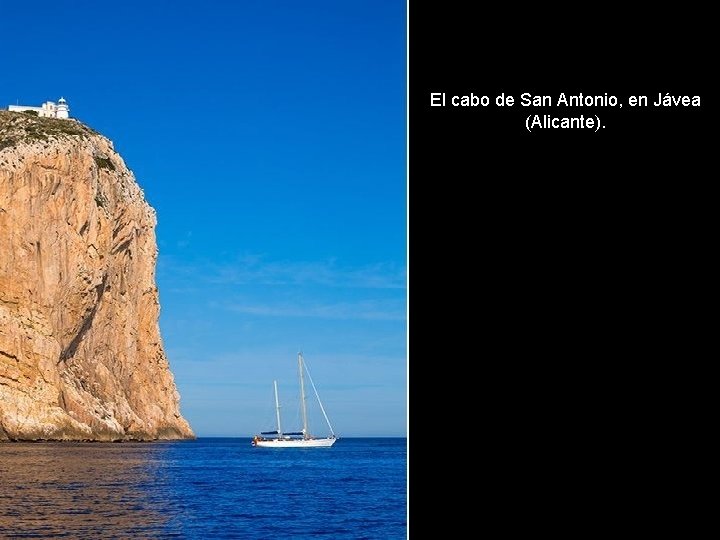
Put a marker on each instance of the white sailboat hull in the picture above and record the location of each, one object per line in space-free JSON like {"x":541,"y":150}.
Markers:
{"x":295,"y":443}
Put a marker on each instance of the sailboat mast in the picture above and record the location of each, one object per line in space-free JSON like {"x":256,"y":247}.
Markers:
{"x":302,"y":396}
{"x":277,"y":410}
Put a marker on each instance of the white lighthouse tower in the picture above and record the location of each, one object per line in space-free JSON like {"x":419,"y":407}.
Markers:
{"x":63,"y":111}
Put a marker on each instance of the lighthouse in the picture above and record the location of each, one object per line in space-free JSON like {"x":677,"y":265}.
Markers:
{"x":63,"y":111}
{"x":47,"y":110}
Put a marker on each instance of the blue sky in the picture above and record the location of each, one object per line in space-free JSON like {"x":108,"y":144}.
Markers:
{"x":270,"y":138}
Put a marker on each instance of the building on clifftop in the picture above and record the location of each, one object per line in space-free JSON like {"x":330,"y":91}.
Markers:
{"x":48,"y":109}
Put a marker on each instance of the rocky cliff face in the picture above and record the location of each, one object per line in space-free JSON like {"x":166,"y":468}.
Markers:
{"x":80,"y":350}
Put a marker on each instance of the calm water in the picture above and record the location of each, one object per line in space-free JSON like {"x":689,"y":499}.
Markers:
{"x":221,"y":488}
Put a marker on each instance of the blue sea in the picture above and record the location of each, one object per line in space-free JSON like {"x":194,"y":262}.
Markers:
{"x":221,"y":488}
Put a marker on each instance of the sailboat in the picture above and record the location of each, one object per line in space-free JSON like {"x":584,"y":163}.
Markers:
{"x":296,"y":439}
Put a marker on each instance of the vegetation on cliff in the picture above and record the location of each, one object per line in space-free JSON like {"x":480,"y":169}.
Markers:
{"x":18,"y":127}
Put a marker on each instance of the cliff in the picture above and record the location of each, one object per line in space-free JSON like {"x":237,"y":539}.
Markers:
{"x":81,"y":356}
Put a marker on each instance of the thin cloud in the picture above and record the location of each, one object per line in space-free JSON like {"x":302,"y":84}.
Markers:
{"x":327,"y":273}
{"x":370,"y":310}
{"x":254,"y":270}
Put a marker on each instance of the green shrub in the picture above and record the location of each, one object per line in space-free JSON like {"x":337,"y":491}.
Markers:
{"x":104,"y":163}
{"x":100,"y":200}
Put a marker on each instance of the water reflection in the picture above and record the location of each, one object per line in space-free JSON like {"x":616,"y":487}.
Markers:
{"x":96,"y":490}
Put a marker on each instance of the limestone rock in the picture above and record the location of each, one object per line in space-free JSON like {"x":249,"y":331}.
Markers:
{"x":80,"y":350}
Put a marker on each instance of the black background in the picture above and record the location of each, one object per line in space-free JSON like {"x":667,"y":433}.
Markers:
{"x":558,"y":278}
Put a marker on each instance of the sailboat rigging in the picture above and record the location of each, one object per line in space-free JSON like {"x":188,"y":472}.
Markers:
{"x":296,"y":439}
